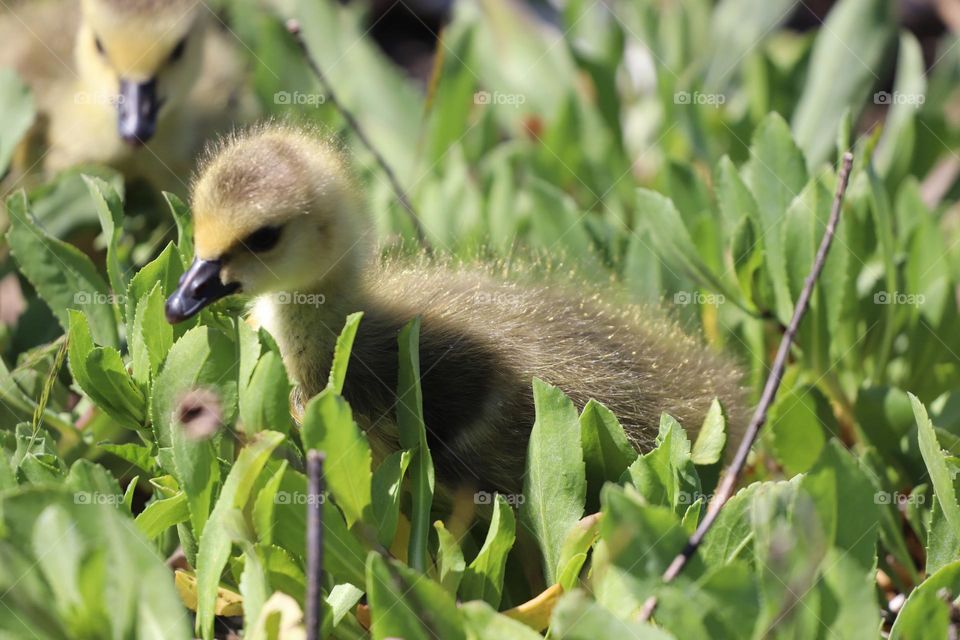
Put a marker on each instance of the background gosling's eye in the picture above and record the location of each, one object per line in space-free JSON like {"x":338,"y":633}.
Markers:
{"x":263,"y":239}
{"x":99,"y":45}
{"x":178,"y":50}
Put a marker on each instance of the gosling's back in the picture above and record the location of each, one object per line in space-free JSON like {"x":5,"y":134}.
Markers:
{"x":482,"y":342}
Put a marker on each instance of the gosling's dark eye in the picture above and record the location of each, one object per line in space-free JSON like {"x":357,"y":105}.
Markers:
{"x":263,"y":239}
{"x":99,"y":45}
{"x":178,"y":50}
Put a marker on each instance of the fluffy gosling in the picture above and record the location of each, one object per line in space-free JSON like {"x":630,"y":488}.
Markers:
{"x":276,"y":217}
{"x":141,"y":73}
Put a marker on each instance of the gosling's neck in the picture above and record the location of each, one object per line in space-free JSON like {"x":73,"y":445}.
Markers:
{"x":306,"y":324}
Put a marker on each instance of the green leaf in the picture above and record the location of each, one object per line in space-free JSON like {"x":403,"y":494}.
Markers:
{"x":483,"y":578}
{"x":606,"y":450}
{"x":482,"y":622}
{"x":404,"y":605}
{"x":17,"y":113}
{"x":265,"y":399}
{"x":181,"y":217}
{"x":712,"y":439}
{"x":328,"y":426}
{"x":450,"y":562}
{"x":165,"y":269}
{"x":555,"y":485}
{"x":215,"y":543}
{"x":673,"y":242}
{"x":152,"y":336}
{"x":574,"y":551}
{"x":940,"y":474}
{"x":110,"y":386}
{"x":666,"y":475}
{"x":160,"y":515}
{"x":413,"y":436}
{"x":641,"y":539}
{"x":896,"y":145}
{"x":776,"y":175}
{"x":64,"y":277}
{"x":576,"y":617}
{"x":386,"y":488}
{"x":797,"y":421}
{"x":852,"y":45}
{"x":925,"y":614}
{"x":110,"y":210}
{"x":341,"y":354}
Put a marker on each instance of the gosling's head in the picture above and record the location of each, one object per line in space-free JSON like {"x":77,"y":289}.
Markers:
{"x":273,"y":210}
{"x":145,"y":52}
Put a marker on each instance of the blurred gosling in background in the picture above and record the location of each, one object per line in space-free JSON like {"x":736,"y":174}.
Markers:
{"x":276,"y":216}
{"x":135,"y":84}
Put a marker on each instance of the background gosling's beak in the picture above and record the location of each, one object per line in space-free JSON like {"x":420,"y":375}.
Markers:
{"x":199,"y":286}
{"x":137,"y":110}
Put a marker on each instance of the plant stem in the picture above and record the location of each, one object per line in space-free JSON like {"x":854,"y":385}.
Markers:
{"x":314,"y":603}
{"x":732,"y":474}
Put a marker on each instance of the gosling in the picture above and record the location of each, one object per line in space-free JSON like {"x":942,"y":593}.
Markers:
{"x":139,"y":85}
{"x":276,"y":217}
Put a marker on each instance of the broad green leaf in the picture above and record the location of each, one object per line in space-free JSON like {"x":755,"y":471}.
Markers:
{"x":895,"y":148}
{"x":160,"y":515}
{"x":482,"y":622}
{"x":215,"y":543}
{"x":110,"y":210}
{"x":925,"y":614}
{"x":328,"y":426}
{"x":606,"y":450}
{"x":798,"y":421}
{"x":63,"y":276}
{"x":666,"y":475}
{"x":483,"y":578}
{"x":450,"y":562}
{"x":181,"y":217}
{"x":112,"y":388}
{"x":641,"y":539}
{"x":386,"y":486}
{"x":165,"y":269}
{"x":405,"y":605}
{"x":413,"y":436}
{"x":574,"y":551}
{"x":712,"y":439}
{"x":776,"y":174}
{"x":940,"y":474}
{"x":341,"y":353}
{"x":576,"y":617}
{"x":152,"y":336}
{"x":265,"y":399}
{"x":851,"y":45}
{"x":555,"y":485}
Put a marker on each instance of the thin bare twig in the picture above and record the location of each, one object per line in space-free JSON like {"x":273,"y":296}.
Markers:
{"x":315,"y":460}
{"x":732,"y":474}
{"x":294,"y":28}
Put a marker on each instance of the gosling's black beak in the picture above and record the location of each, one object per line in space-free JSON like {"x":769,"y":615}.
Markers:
{"x":137,"y":110}
{"x":199,"y":286}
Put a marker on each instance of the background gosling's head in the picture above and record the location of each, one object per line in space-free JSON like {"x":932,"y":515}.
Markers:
{"x":273,"y":210}
{"x":145,"y":52}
